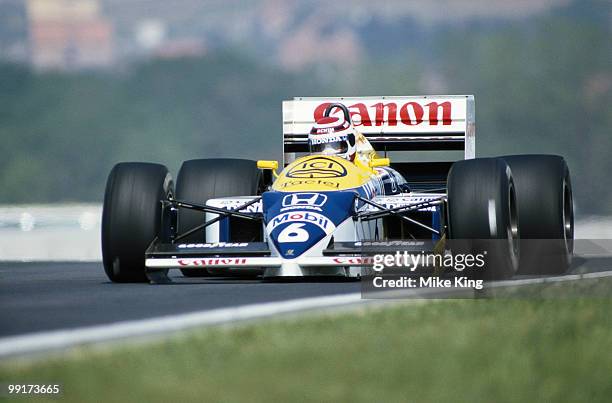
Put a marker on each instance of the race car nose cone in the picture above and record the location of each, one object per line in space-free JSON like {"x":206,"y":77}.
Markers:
{"x":296,"y":222}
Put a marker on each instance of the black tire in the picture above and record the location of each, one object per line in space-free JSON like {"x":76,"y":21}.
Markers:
{"x":202,"y":179}
{"x":546,"y":213}
{"x":131,"y":217}
{"x":483,"y":216}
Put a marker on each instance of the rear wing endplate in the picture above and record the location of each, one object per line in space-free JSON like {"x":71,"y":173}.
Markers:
{"x":441,"y":122}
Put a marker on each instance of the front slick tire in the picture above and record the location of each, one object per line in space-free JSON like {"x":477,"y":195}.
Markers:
{"x":131,"y":217}
{"x":483,"y":216}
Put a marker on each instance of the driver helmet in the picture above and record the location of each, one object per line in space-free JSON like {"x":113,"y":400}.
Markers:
{"x":333,"y":135}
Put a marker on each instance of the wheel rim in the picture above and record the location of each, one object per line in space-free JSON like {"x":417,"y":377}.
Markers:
{"x":513,"y":225}
{"x":568,"y":217}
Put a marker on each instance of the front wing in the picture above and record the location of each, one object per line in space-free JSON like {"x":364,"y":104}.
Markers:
{"x":239,"y":256}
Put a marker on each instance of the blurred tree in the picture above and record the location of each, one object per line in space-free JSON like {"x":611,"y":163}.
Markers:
{"x":62,"y":133}
{"x":542,"y":85}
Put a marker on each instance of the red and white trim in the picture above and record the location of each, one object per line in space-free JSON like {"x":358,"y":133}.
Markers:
{"x":256,"y":262}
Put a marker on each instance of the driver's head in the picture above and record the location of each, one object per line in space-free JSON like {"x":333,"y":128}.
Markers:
{"x":333,"y":135}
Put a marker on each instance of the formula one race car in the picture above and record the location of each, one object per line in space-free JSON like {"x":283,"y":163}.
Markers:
{"x":326,"y":214}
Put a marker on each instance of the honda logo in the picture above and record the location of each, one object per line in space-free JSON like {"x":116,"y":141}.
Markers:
{"x":304,"y":200}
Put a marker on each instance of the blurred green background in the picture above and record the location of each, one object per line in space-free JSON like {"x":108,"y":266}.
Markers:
{"x":542,"y":83}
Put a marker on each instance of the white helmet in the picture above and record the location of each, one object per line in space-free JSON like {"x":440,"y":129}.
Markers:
{"x":333,"y":135}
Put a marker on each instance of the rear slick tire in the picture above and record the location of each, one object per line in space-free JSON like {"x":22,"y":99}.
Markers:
{"x":546,"y":212}
{"x":483,"y":216}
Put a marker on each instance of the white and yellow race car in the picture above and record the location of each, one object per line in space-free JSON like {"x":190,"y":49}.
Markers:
{"x":322,"y":215}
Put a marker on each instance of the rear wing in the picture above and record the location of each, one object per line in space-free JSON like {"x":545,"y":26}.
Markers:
{"x":441,"y":122}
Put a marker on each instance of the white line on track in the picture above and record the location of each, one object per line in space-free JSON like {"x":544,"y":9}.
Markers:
{"x":553,"y":279}
{"x":61,"y":339}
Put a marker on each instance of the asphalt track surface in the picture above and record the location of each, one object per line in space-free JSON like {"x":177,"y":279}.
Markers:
{"x":37,"y":297}
{"x":48,"y":296}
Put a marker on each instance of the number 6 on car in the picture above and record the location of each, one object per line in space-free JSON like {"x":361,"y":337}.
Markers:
{"x":293,"y":233}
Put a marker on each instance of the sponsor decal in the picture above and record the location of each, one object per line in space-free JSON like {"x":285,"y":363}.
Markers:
{"x":329,"y":184}
{"x":233,"y":203}
{"x":318,"y":167}
{"x":232,"y":261}
{"x":394,"y":202}
{"x":304,"y":200}
{"x":409,"y":114}
{"x":356,"y":260}
{"x":302,"y":216}
{"x":327,"y":139}
{"x":389,"y":243}
{"x":212,"y":245}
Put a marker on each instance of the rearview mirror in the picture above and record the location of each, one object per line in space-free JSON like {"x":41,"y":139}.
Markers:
{"x":263,"y":164}
{"x":379,"y":162}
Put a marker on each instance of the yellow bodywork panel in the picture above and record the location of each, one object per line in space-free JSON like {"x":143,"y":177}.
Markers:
{"x":321,"y":173}
{"x":379,"y":162}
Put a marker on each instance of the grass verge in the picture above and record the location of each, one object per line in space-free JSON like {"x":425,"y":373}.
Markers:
{"x":515,"y":349}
